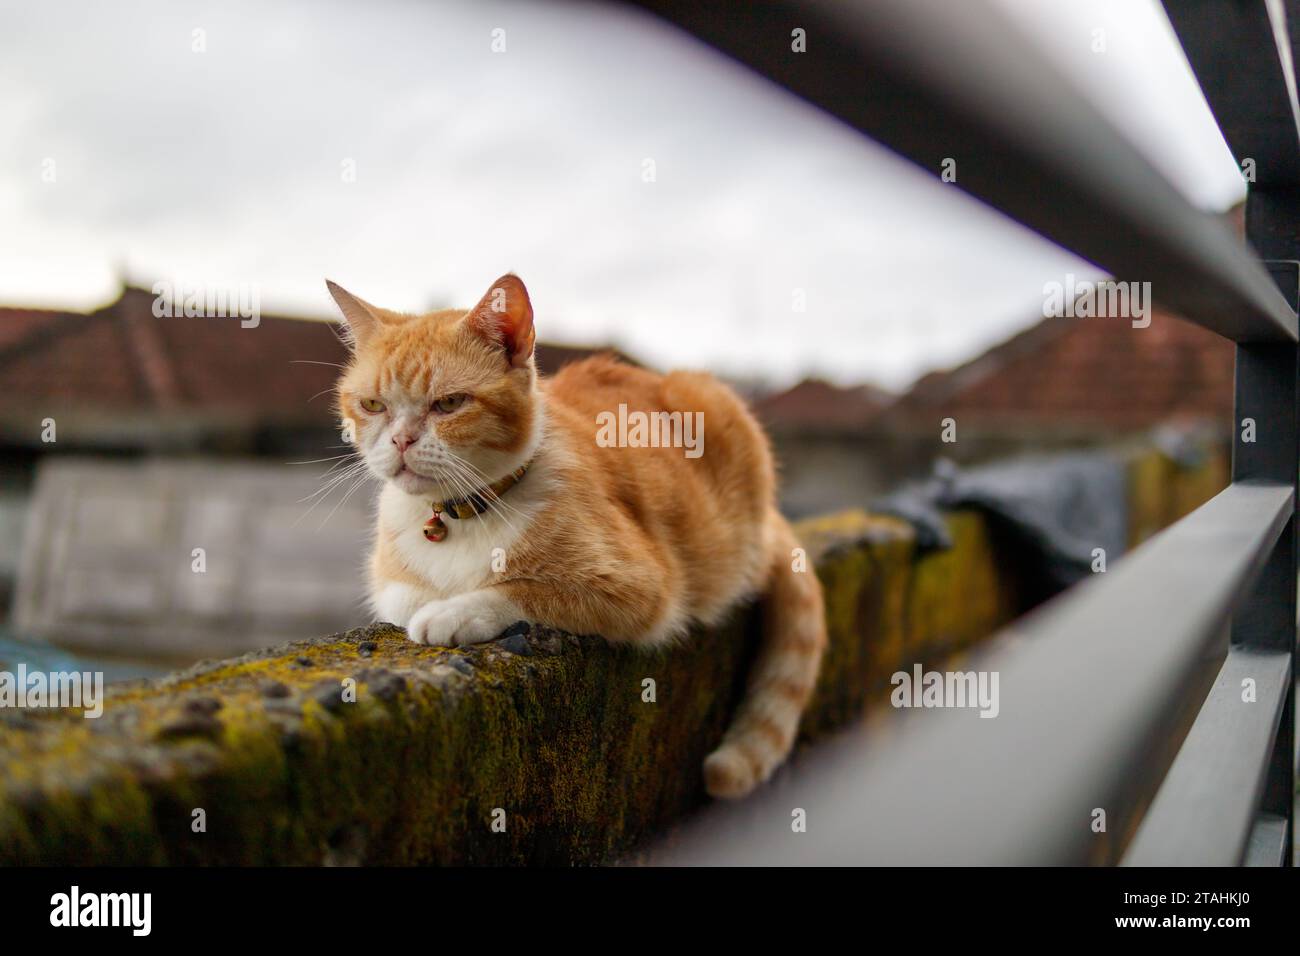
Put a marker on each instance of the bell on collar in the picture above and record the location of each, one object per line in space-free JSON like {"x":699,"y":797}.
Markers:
{"x":434,"y":529}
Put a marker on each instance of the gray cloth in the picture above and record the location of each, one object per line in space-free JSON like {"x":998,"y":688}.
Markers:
{"x":1056,"y":509}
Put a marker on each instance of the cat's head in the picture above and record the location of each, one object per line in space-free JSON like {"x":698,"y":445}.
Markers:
{"x":443,"y":403}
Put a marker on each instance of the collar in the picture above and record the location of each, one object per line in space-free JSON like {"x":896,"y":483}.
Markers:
{"x":477,"y":502}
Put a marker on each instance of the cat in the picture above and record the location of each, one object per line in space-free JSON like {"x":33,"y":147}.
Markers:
{"x":538,"y":519}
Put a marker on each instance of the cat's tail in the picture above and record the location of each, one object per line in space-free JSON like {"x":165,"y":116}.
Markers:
{"x":783,"y":675}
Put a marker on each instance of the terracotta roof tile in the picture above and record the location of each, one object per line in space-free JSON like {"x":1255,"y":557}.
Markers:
{"x":17,"y":325}
{"x":123,"y":358}
{"x":820,"y":406}
{"x":1098,"y":372}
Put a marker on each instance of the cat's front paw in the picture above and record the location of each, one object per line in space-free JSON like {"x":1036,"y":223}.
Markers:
{"x":466,"y":619}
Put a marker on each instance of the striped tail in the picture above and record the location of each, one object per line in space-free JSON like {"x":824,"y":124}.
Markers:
{"x":783,"y":676}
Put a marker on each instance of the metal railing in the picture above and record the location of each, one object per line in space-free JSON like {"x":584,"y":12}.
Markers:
{"x":1127,"y":729}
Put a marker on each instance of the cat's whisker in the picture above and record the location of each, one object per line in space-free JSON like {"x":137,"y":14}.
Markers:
{"x":478,"y":477}
{"x":342,"y":501}
{"x":324,"y":488}
{"x":475,"y":472}
{"x":333,"y":475}
{"x":320,"y":496}
{"x":499,"y":507}
{"x":465,"y":485}
{"x":317,"y":461}
{"x":351,"y":471}
{"x":324,"y":494}
{"x":461,"y":485}
{"x":344,"y":463}
{"x":493,"y":502}
{"x":470,"y":466}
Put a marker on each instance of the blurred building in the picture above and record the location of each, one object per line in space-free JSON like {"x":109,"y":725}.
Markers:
{"x":120,"y":383}
{"x":820,"y":433}
{"x":1082,"y":380}
{"x":120,"y":379}
{"x":1063,"y":383}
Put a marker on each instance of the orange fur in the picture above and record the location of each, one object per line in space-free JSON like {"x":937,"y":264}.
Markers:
{"x":631,"y":543}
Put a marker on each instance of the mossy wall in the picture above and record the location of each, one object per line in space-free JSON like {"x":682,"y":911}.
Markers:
{"x":1161,"y":490}
{"x":538,"y":748}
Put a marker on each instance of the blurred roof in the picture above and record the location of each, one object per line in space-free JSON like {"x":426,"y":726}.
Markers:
{"x":1097,"y":373}
{"x":817,"y":405}
{"x":1086,"y":372}
{"x":123,"y":360}
{"x":551,"y":358}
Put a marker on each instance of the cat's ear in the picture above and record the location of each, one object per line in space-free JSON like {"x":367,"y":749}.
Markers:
{"x":362,"y":317}
{"x":505,"y":317}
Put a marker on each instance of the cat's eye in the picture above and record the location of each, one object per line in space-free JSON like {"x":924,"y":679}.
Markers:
{"x":449,"y":403}
{"x":373,"y":405}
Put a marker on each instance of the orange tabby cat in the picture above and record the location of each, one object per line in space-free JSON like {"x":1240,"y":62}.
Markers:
{"x":507,"y":497}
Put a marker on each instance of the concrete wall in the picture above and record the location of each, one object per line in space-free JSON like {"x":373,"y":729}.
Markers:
{"x":832,"y":470}
{"x":185,"y":559}
{"x":545,"y":733}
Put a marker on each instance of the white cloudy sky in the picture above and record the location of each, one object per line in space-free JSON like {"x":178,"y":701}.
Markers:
{"x":225,"y":166}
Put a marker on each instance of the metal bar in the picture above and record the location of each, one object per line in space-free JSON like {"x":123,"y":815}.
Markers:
{"x":1241,"y":55}
{"x":1268,"y":393}
{"x":933,"y":80}
{"x":1265,"y":449}
{"x":1106,"y":667}
{"x":1268,"y":841}
{"x":1206,"y":808}
{"x":1265,"y":403}
{"x":1244,"y":59}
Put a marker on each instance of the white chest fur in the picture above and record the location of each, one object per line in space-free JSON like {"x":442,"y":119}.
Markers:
{"x":474,"y":554}
{"x":471,"y":556}
{"x":476,"y":551}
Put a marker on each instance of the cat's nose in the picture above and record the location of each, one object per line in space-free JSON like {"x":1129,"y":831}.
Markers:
{"x":403,"y":442}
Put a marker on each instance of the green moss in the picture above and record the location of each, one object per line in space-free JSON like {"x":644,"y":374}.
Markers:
{"x":1161,"y":491}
